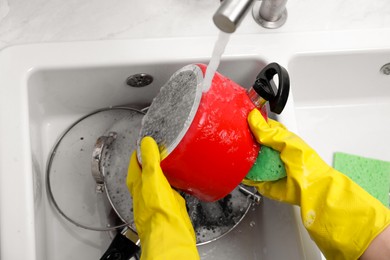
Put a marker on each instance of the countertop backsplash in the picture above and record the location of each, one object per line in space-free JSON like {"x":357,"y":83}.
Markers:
{"x":35,"y":21}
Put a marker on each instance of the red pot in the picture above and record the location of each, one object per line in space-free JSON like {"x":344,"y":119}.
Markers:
{"x":217,"y":150}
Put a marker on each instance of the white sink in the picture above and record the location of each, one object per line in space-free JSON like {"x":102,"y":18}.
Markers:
{"x":46,"y":87}
{"x":49,"y":86}
{"x":342,"y":102}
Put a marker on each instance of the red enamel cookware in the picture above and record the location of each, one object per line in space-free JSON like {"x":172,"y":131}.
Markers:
{"x":204,"y":139}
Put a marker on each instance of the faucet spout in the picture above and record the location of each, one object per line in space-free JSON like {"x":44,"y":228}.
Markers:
{"x":268,"y":13}
{"x":230,"y":14}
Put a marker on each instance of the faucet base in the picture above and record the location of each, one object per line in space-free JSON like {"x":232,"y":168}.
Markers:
{"x":266,"y":23}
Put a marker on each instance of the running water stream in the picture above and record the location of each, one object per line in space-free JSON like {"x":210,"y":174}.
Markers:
{"x":219,"y":48}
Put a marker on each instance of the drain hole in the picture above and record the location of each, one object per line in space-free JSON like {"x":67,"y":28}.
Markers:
{"x":139,"y":80}
{"x":385,"y":69}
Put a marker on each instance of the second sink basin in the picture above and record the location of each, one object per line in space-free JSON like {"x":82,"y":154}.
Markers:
{"x":342,"y":102}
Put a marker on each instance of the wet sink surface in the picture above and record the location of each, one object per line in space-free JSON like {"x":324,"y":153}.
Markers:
{"x":53,"y":86}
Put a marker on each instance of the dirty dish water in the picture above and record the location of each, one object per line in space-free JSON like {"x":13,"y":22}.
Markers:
{"x":219,"y":49}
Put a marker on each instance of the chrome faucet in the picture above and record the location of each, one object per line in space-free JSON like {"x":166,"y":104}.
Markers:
{"x":268,"y":13}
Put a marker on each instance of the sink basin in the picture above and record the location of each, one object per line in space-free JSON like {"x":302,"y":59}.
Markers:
{"x":342,"y":102}
{"x":46,"y":87}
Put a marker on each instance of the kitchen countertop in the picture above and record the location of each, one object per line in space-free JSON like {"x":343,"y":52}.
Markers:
{"x":35,"y":21}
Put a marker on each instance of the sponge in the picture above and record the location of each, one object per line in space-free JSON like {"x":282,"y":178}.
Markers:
{"x":268,"y":166}
{"x":371,"y":174}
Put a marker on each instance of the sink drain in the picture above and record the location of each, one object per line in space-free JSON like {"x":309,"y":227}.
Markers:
{"x":385,"y":69}
{"x":139,"y":80}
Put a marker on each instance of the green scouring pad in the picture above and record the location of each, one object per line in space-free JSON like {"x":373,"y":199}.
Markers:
{"x":268,"y":166}
{"x":371,"y":174}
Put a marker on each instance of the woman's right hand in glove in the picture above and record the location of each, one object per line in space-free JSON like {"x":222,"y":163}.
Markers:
{"x":341,"y":217}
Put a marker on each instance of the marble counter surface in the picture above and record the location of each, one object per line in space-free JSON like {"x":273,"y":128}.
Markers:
{"x":34,"y":21}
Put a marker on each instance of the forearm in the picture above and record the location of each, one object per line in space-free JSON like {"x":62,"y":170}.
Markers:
{"x":379,"y":248}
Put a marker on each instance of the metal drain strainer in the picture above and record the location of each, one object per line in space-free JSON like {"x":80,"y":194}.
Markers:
{"x":86,"y":178}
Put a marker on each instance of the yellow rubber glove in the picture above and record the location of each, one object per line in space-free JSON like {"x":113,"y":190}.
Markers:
{"x":339,"y":215}
{"x":160,"y":214}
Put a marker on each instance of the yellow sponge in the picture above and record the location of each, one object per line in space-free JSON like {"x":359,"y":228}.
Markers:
{"x":371,"y":174}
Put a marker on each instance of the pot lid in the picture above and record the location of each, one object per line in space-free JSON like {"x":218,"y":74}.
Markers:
{"x":71,"y":186}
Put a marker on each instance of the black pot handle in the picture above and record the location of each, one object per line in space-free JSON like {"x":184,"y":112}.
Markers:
{"x":121,"y":248}
{"x":265,"y":86}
